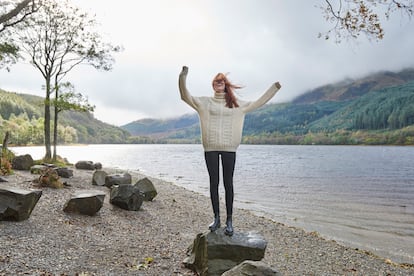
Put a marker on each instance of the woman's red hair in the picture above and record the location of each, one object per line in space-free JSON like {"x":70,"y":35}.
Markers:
{"x":231,"y":100}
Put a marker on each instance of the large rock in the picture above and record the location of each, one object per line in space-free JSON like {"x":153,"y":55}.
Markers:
{"x":64,"y":172}
{"x":85,"y":165}
{"x":213,"y":253}
{"x":252,"y":268}
{"x":147,"y":188}
{"x":98,"y":177}
{"x":98,"y":166}
{"x":85,"y":202}
{"x":117,"y":179}
{"x":22,"y":162}
{"x":17,"y":204}
{"x":126,"y":196}
{"x":38,"y":169}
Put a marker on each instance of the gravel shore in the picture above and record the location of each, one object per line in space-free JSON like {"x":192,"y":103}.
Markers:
{"x":154,"y":240}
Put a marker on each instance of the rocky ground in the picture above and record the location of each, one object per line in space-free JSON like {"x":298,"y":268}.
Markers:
{"x":154,"y":240}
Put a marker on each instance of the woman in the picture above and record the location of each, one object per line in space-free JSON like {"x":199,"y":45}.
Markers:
{"x":221,"y":121}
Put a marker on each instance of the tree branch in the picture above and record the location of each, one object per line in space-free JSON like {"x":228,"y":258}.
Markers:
{"x":5,"y":18}
{"x":361,"y":17}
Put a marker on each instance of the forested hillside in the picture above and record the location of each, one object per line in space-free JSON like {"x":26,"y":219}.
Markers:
{"x":22,"y":116}
{"x":388,"y":108}
{"x":377,"y":109}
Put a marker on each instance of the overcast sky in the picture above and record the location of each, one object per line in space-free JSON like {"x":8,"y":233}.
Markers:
{"x":257,"y":42}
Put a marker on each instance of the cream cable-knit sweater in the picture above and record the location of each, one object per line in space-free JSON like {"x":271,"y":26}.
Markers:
{"x":221,"y":127}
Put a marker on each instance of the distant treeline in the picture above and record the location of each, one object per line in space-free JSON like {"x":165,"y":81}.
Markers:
{"x":403,"y":136}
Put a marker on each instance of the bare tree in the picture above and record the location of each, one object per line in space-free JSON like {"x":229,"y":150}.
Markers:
{"x":55,"y":40}
{"x":351,"y":18}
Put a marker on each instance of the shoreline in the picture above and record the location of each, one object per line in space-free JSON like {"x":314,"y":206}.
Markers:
{"x":119,"y":242}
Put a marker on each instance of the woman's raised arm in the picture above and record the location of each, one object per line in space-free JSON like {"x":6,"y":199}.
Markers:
{"x":185,"y":95}
{"x":264,"y":98}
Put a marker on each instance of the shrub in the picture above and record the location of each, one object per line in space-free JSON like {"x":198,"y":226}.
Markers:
{"x":5,"y":161}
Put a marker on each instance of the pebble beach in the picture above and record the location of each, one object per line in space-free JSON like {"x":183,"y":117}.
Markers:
{"x":154,"y":240}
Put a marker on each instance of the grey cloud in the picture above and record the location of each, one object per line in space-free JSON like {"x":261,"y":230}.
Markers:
{"x":257,"y":42}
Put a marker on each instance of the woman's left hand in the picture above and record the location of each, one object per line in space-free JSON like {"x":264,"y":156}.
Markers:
{"x":277,"y":84}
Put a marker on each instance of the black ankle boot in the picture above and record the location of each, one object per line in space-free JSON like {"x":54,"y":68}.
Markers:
{"x":229,"y":227}
{"x":215,"y":225}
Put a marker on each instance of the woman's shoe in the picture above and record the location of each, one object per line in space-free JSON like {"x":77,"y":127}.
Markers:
{"x":215,"y":225}
{"x":229,"y":227}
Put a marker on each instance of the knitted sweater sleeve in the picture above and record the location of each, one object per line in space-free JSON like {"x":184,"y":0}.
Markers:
{"x":185,"y":95}
{"x":262,"y":100}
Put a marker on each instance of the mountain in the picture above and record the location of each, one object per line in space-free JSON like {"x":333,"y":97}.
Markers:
{"x":22,"y":115}
{"x":352,"y":89}
{"x":160,"y":126}
{"x":381,"y":101}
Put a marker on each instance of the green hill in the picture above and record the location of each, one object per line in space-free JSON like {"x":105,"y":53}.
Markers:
{"x":388,"y":108}
{"x":22,"y":115}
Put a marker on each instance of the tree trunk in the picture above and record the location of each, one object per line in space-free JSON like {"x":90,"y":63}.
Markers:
{"x":5,"y":141}
{"x":48,"y":154}
{"x":55,"y":130}
{"x":4,"y":147}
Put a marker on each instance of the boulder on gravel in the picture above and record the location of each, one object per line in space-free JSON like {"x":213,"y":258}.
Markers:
{"x":117,"y":179}
{"x":252,"y":268}
{"x":98,"y":178}
{"x":147,"y":188}
{"x":64,"y":172}
{"x":127,"y":197}
{"x":85,"y":202}
{"x":213,"y":253}
{"x":17,"y":204}
{"x":22,"y":162}
{"x":38,"y":169}
{"x":85,"y":165}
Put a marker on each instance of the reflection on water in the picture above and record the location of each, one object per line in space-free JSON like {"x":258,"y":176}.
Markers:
{"x":361,"y":196}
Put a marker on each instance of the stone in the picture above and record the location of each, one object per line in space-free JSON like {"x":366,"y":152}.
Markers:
{"x":98,"y":166}
{"x":252,"y":268}
{"x":117,"y":179}
{"x":49,"y":165}
{"x":17,"y":204}
{"x":147,"y":188}
{"x":127,"y":197}
{"x":3,"y":179}
{"x":213,"y":253}
{"x":85,"y":165}
{"x":64,"y":172}
{"x":85,"y":202}
{"x":98,"y":178}
{"x":22,"y":162}
{"x":38,"y":169}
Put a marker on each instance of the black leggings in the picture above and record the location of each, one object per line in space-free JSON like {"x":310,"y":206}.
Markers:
{"x":228,"y":160}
